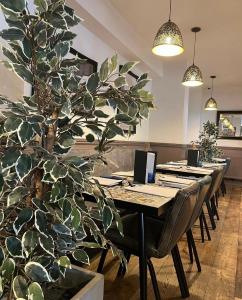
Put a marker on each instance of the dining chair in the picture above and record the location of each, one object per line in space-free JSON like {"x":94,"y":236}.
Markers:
{"x":198,"y":213}
{"x":162,"y":236}
{"x":210,"y":199}
{"x":223,"y":186}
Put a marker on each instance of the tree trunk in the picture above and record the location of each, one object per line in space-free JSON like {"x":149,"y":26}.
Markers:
{"x":51,"y":135}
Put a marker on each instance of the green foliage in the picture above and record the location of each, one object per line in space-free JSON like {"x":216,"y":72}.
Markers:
{"x":44,"y":219}
{"x":207,"y":142}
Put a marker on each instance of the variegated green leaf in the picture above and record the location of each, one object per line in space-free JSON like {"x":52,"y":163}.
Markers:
{"x":127,"y":67}
{"x":120,"y":81}
{"x":25,"y":133}
{"x":92,"y":83}
{"x":12,"y":124}
{"x":7,"y":269}
{"x":58,"y":191}
{"x":61,"y":229}
{"x":40,"y":222}
{"x":29,"y":241}
{"x":81,"y":256}
{"x":9,"y":158}
{"x":64,"y":262}
{"x":16,"y":195}
{"x":12,"y":34}
{"x":14,"y":246}
{"x":49,"y":165}
{"x":47,"y":243}
{"x":75,"y":218}
{"x":23,"y":166}
{"x":16,"y":6}
{"x":35,"y":292}
{"x":76,"y":176}
{"x":88,"y":101}
{"x":104,"y":71}
{"x":23,"y":217}
{"x":41,"y":5}
{"x":36,"y":272}
{"x":20,"y":287}
{"x":58,"y":171}
{"x":107,"y":217}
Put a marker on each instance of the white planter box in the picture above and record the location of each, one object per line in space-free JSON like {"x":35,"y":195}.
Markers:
{"x":93,"y":290}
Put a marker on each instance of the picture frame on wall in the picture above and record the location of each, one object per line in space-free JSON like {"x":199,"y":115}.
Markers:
{"x":131,"y":80}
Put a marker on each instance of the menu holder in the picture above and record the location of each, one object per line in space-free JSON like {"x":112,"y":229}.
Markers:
{"x":144,"y":166}
{"x":193,"y":157}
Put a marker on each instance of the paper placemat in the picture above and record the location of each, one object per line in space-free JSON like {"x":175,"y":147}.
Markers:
{"x":124,"y":173}
{"x":177,"y":163}
{"x":154,"y":190}
{"x":175,"y":179}
{"x":107,"y":181}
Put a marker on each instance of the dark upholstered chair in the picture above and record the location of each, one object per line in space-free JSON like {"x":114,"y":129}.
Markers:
{"x":162,"y":235}
{"x":210,"y":198}
{"x":223,"y":186}
{"x":198,"y":213}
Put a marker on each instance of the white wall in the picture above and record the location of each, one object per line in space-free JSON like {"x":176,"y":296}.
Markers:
{"x":168,"y":124}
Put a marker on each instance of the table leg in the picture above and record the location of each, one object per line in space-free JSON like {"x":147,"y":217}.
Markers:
{"x":142,"y":258}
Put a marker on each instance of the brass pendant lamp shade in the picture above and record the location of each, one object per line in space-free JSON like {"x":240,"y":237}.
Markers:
{"x":168,"y":40}
{"x":193,"y":75}
{"x":211,"y":103}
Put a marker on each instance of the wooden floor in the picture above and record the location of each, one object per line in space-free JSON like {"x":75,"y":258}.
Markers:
{"x":221,"y":259}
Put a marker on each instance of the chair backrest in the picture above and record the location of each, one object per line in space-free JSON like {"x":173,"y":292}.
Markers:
{"x":205,"y":184}
{"x":228,"y":162}
{"x":217,"y":176}
{"x":177,"y":218}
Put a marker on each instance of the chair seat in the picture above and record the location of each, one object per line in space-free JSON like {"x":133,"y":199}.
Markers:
{"x":129,"y":242}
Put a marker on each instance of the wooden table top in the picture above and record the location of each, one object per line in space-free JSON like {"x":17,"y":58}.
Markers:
{"x":139,"y":202}
{"x":184,"y":169}
{"x":125,"y":197}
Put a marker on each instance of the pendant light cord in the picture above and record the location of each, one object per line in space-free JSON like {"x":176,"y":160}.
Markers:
{"x":170,"y":11}
{"x":212,"y":89}
{"x":194,"y":49}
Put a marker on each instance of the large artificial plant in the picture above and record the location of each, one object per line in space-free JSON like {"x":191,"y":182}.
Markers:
{"x":43,"y":215}
{"x":207,"y":142}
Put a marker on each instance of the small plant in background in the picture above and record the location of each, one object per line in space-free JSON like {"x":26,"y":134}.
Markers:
{"x":43,"y":215}
{"x":207,"y":142}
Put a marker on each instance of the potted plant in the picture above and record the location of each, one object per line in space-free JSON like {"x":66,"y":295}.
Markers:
{"x":43,"y":215}
{"x":207,"y":142}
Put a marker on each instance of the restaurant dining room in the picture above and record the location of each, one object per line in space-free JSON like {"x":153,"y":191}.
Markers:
{"x":120,"y":149}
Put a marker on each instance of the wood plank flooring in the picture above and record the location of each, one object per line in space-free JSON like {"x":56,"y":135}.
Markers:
{"x":221,"y":260}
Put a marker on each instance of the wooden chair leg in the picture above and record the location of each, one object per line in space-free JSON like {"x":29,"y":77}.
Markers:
{"x":180,"y":272}
{"x":102,"y":261}
{"x":206,"y":225}
{"x":194,"y":249}
{"x":211,"y":216}
{"x":201,"y":227}
{"x":153,"y":279}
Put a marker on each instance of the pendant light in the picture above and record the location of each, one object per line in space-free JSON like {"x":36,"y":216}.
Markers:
{"x":211,"y":103}
{"x":168,"y":40}
{"x":193,"y":75}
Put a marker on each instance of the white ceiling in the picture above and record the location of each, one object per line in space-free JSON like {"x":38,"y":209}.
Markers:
{"x":219,"y":43}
